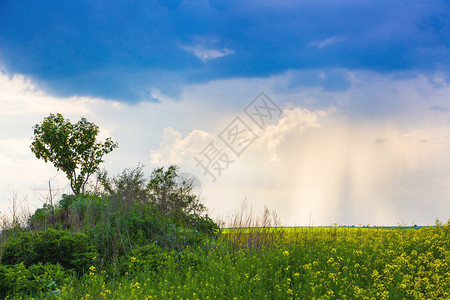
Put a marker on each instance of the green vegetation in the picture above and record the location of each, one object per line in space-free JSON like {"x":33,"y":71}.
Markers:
{"x":132,"y":237}
{"x":124,"y":218}
{"x":71,"y":148}
{"x":306,"y":263}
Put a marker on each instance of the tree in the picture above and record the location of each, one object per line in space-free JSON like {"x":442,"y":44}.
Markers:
{"x":72,"y":148}
{"x":172,"y":197}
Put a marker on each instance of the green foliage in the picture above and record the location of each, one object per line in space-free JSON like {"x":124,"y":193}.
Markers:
{"x":172,"y":199}
{"x":127,"y":188}
{"x":126,"y":212}
{"x":19,"y":280}
{"x":70,"y":250}
{"x":149,"y":258}
{"x":129,"y":225}
{"x":72,"y":212}
{"x":161,"y":190}
{"x":140,"y":211}
{"x":203,"y":224}
{"x":41,"y":218}
{"x":120,"y":232}
{"x":72,"y":148}
{"x":307,"y":263}
{"x":32,"y":281}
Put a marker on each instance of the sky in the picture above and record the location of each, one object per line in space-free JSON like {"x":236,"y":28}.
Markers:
{"x":353,"y":96}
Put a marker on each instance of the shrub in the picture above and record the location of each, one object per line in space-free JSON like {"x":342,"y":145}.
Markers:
{"x":41,"y":278}
{"x":149,"y":258}
{"x":125,"y":212}
{"x":170,"y":198}
{"x":125,"y":189}
{"x":41,"y":218}
{"x":202,"y":224}
{"x":70,"y":250}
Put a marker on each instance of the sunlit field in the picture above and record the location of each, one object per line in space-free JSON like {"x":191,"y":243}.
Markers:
{"x":275,"y":263}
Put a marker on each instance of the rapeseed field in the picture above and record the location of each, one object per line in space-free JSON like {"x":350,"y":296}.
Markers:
{"x":292,"y":263}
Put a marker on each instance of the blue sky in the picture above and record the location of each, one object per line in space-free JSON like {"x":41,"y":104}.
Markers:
{"x":363,"y":85}
{"x":121,"y":50}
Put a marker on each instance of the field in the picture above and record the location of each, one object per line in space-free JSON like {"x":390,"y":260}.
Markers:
{"x":139,"y":238}
{"x":276,"y":263}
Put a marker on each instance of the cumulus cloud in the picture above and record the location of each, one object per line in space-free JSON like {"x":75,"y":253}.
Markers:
{"x":177,"y":150}
{"x":174,"y":149}
{"x":294,"y":120}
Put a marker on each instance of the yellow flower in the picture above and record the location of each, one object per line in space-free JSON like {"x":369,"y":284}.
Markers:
{"x":133,"y":259}
{"x":296,"y":274}
{"x":290,"y":292}
{"x":91,"y":270}
{"x":286,"y":253}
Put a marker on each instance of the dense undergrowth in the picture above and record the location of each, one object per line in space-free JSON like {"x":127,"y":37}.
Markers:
{"x":127,"y":215}
{"x":133,"y":238}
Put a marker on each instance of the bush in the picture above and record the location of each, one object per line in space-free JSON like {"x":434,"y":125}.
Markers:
{"x":41,"y":278}
{"x":41,"y":218}
{"x":70,"y":250}
{"x":148,"y":258}
{"x":170,"y":198}
{"x":123,"y":213}
{"x":121,"y":232}
{"x":203,"y":224}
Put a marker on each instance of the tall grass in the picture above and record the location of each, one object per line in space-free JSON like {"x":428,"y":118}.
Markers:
{"x":252,"y":231}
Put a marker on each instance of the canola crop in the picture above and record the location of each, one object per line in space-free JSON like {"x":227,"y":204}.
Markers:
{"x":293,"y":263}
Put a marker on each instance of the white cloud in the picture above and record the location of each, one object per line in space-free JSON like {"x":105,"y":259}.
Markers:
{"x":205,"y":54}
{"x":207,"y":48}
{"x":176,"y":150}
{"x":294,"y":120}
{"x":327,"y":42}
